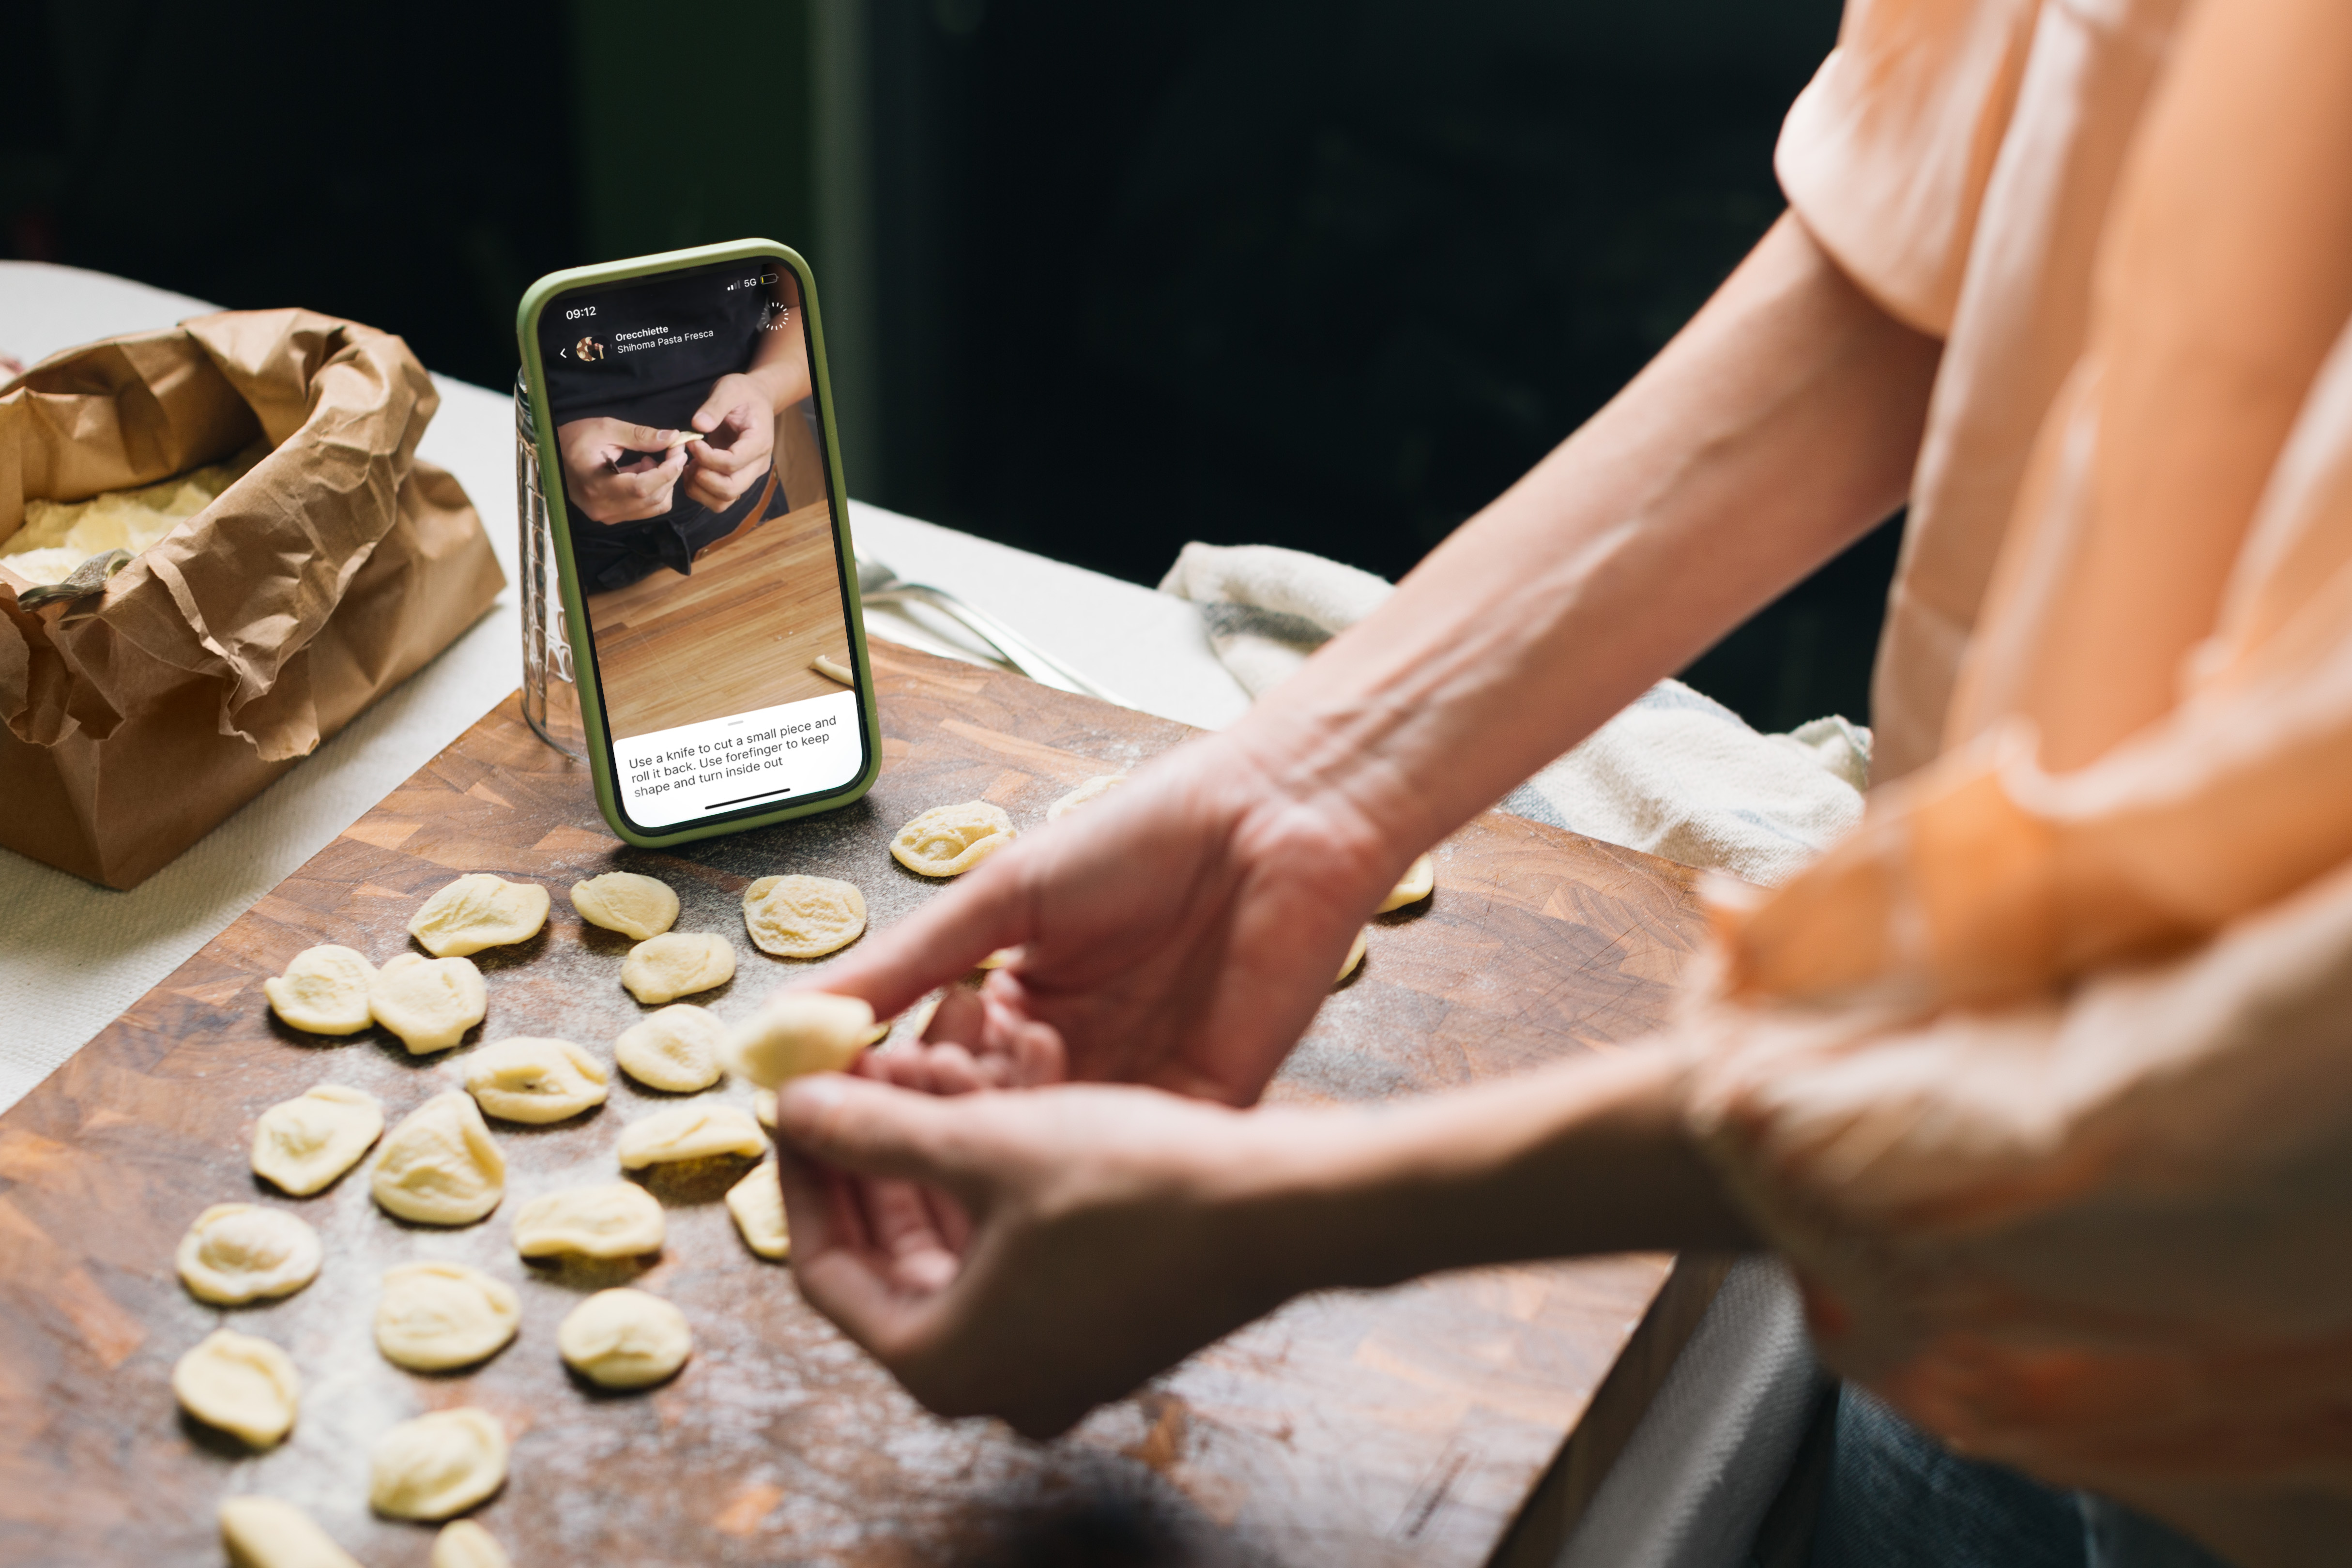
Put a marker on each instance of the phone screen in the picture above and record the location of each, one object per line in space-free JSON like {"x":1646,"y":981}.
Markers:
{"x":700,"y":514}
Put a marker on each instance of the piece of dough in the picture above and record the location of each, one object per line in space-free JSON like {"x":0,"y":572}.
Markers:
{"x":324,"y":991}
{"x":802,"y":916}
{"x":998,"y":959}
{"x":757,"y":1202}
{"x":305,"y":1143}
{"x":440,"y":1165}
{"x":535,"y":1080}
{"x":625,"y":1339}
{"x":949,"y":841}
{"x":243,"y":1386}
{"x":429,"y":1003}
{"x":1420,"y":877}
{"x":479,"y":911}
{"x":695,"y":1132}
{"x":262,"y":1532}
{"x":611,"y":1219}
{"x":462,"y":1544}
{"x":438,"y":1465}
{"x":675,"y":1050}
{"x":1085,"y":794}
{"x":763,"y":1108}
{"x":435,"y":1316}
{"x":239,"y":1252}
{"x":833,"y":670}
{"x":636,"y":906}
{"x":677,"y":963}
{"x":797,"y":1032}
{"x":1355,"y":957}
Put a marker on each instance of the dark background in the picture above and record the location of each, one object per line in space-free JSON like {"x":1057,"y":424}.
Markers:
{"x":1321,"y":273}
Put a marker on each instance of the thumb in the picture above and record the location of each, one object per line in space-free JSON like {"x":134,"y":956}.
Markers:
{"x":868,"y":1128}
{"x":939,"y":943}
{"x":645,"y":437}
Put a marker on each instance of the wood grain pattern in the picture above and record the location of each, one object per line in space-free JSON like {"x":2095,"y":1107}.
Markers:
{"x":736,"y":634}
{"x":1401,"y":1426}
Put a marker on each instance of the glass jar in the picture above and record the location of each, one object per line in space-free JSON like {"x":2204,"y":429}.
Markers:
{"x":550,"y":697}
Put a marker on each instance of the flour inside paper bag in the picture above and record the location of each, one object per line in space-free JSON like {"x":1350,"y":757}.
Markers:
{"x":58,"y":536}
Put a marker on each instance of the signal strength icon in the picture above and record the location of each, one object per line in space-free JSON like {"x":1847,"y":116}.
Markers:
{"x":733,"y":287}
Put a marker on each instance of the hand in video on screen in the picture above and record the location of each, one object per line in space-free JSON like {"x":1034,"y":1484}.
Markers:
{"x":1181,"y":931}
{"x":615,"y":472}
{"x":739,"y":436}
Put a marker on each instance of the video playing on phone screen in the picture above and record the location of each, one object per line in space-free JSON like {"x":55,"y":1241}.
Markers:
{"x":702,"y":525}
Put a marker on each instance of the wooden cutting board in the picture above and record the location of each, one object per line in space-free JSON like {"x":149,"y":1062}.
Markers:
{"x":1404,"y":1425}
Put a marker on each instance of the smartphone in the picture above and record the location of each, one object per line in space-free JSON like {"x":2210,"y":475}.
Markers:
{"x":701,"y":538}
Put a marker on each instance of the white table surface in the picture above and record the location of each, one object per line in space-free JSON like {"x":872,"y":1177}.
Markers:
{"x":1706,"y":1458}
{"x":74,"y":956}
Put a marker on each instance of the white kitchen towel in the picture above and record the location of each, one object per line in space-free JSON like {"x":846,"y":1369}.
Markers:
{"x":1676,"y":773}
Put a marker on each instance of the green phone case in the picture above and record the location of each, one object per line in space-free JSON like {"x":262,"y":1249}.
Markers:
{"x":583,"y":662}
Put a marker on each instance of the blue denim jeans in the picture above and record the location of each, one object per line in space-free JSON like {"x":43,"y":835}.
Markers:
{"x":1898,"y":1499}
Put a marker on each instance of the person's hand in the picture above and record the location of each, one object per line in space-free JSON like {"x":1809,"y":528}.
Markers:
{"x":738,"y":433}
{"x":615,"y":472}
{"x":1178,"y":932}
{"x":1021,"y":1255}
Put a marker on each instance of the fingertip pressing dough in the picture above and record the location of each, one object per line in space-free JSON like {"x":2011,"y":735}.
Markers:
{"x":438,"y":1465}
{"x":243,"y":1385}
{"x":1085,"y":794}
{"x":675,"y":1050}
{"x":305,"y":1143}
{"x":625,"y":1339}
{"x":324,"y":991}
{"x":802,"y":916}
{"x":634,"y":906}
{"x":429,"y":1003}
{"x":239,"y":1252}
{"x":479,"y":911}
{"x":1418,"y":878}
{"x":435,"y":1316}
{"x":1355,"y":957}
{"x":440,"y":1165}
{"x":677,"y":963}
{"x":262,"y":1532}
{"x":690,"y":1132}
{"x":948,"y":841}
{"x":535,"y":1080}
{"x":799,"y":1032}
{"x":462,"y":1544}
{"x":757,"y":1202}
{"x":611,"y":1219}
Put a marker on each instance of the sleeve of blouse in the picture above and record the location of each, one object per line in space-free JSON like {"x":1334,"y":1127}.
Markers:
{"x":1885,"y":154}
{"x":2103,"y":1236}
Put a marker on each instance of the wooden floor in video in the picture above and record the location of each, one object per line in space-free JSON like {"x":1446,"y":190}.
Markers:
{"x":736,"y":635}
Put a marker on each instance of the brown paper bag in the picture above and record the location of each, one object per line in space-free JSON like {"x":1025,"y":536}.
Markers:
{"x":137,"y":718}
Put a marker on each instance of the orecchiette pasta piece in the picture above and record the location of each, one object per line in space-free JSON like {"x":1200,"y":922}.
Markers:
{"x":677,"y":963}
{"x":324,"y":991}
{"x":610,"y":1219}
{"x":440,"y":1165}
{"x":948,"y":841}
{"x":534,"y":1080}
{"x":636,"y":906}
{"x":695,"y":1132}
{"x":479,"y":911}
{"x":303,"y":1143}
{"x":239,"y":1252}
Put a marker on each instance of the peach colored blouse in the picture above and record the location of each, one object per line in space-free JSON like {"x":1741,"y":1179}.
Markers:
{"x":2043,"y":1077}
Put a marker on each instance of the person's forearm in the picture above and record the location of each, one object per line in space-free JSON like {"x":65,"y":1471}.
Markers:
{"x":780,"y":367}
{"x":1588,"y":1156}
{"x":1779,"y":425}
